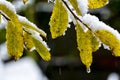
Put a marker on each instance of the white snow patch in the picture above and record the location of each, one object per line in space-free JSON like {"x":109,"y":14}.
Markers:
{"x":38,"y":37}
{"x":8,"y":5}
{"x":1,"y":70}
{"x":23,"y":69}
{"x":32,"y":49}
{"x":113,"y":76}
{"x":106,"y":47}
{"x":3,"y":52}
{"x":83,"y":6}
{"x":25,"y":20}
{"x":3,"y":23}
{"x":19,"y":5}
{"x":95,"y":24}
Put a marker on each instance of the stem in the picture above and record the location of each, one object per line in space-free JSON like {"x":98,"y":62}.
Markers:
{"x":7,"y":18}
{"x":75,"y":16}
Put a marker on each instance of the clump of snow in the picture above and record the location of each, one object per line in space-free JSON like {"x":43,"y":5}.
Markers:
{"x":49,"y":1}
{"x":25,"y":20}
{"x":38,"y":37}
{"x":106,"y":47}
{"x":8,"y":5}
{"x":95,"y":24}
{"x":83,"y":6}
{"x":32,"y":49}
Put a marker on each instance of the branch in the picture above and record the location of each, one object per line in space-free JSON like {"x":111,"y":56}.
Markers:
{"x":75,"y":16}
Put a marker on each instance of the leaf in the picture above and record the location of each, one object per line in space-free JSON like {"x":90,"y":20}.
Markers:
{"x":58,"y":20}
{"x":92,"y":4}
{"x":29,"y":25}
{"x":75,"y":5}
{"x":14,"y":40}
{"x":84,"y":45}
{"x":24,"y":1}
{"x":95,"y":43}
{"x":109,"y":39}
{"x":9,"y":12}
{"x":0,"y":18}
{"x":28,"y":42}
{"x":41,"y":49}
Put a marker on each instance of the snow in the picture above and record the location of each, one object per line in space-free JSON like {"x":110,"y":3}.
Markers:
{"x":8,"y":5}
{"x":3,"y":52}
{"x":23,"y":69}
{"x":113,"y":76}
{"x":106,"y":47}
{"x":38,"y":37}
{"x":19,"y":5}
{"x":32,"y":49}
{"x":50,"y":1}
{"x":1,"y":70}
{"x":83,"y":6}
{"x":25,"y":20}
{"x":2,"y":23}
{"x":95,"y":24}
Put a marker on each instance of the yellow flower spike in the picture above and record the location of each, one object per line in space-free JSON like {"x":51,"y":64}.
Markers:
{"x":14,"y":40}
{"x":109,"y":39}
{"x":92,"y":4}
{"x":58,"y":20}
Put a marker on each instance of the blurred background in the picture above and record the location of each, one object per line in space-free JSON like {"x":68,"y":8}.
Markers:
{"x":65,"y":63}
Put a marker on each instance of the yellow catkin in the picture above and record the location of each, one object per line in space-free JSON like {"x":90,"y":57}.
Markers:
{"x":109,"y":39}
{"x":58,"y":20}
{"x":92,"y":4}
{"x":14,"y":40}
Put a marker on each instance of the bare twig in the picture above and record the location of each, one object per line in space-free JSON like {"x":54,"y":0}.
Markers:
{"x":7,"y":18}
{"x":75,"y":16}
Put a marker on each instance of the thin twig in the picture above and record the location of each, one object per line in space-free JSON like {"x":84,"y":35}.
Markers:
{"x":75,"y":16}
{"x":7,"y":18}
